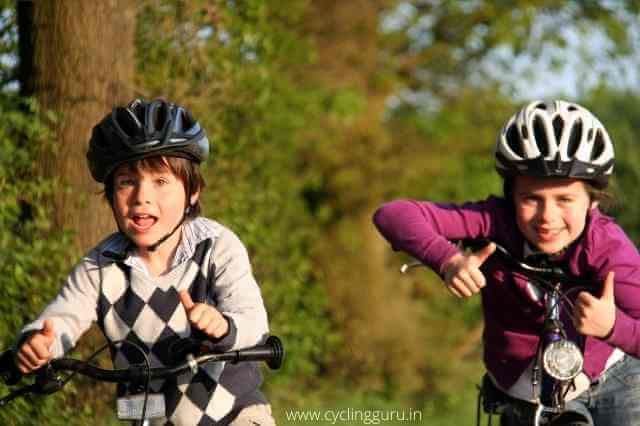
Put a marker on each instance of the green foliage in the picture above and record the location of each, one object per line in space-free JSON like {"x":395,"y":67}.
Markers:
{"x":442,"y":46}
{"x":34,"y":256}
{"x":620,"y":112}
{"x":229,"y":63}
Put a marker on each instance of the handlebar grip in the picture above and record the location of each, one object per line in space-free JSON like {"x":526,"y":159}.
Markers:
{"x":9,"y":372}
{"x":272,"y":352}
{"x":475,"y":244}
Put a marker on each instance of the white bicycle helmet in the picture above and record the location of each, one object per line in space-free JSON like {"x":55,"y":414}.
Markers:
{"x":555,"y":139}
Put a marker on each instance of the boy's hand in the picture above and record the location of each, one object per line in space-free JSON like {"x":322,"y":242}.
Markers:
{"x":204,"y":317}
{"x":35,"y":352}
{"x":594,"y":316}
{"x":462,"y":273}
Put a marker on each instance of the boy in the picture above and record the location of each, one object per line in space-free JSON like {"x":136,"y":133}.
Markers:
{"x":167,"y":271}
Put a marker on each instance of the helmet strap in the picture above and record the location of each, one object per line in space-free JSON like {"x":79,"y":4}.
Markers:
{"x":155,"y":245}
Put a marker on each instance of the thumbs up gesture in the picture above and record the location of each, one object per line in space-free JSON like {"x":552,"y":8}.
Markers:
{"x":462,"y":273}
{"x":593,"y":316}
{"x":35,"y":351}
{"x":204,"y":317}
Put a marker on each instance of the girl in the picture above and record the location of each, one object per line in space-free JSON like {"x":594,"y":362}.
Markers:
{"x":166,"y":273}
{"x":555,"y":159}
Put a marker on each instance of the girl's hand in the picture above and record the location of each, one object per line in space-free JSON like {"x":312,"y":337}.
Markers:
{"x":462,"y":273}
{"x":594,"y":316}
{"x":35,"y":351}
{"x":204,"y":317}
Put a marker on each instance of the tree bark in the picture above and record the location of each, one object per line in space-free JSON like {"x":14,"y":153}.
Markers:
{"x":77,"y":60}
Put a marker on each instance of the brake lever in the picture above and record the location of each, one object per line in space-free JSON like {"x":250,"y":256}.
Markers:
{"x":47,"y":381}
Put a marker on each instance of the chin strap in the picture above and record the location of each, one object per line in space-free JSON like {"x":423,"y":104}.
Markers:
{"x":155,"y":245}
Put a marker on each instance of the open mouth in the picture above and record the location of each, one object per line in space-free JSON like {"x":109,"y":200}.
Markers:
{"x":142,"y":222}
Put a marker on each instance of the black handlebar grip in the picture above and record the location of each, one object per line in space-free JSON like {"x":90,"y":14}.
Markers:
{"x":475,"y":244}
{"x":272,"y":352}
{"x":9,"y":372}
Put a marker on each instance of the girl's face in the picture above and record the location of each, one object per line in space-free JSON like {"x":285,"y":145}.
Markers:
{"x":551,"y":212}
{"x":148,"y":204}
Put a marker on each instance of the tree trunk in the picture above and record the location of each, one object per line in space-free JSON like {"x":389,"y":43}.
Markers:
{"x":77,"y":60}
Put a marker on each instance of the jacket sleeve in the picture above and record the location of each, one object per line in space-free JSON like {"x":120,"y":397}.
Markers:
{"x":613,"y":251}
{"x":424,"y":229}
{"x":237,"y":294}
{"x":72,"y":311}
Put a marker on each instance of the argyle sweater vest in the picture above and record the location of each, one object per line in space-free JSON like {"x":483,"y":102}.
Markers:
{"x":146,"y":313}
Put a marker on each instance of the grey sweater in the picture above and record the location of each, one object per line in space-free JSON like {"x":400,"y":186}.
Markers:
{"x":110,"y":285}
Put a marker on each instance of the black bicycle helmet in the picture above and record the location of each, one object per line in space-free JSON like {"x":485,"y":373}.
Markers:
{"x":144,"y":129}
{"x":555,"y":139}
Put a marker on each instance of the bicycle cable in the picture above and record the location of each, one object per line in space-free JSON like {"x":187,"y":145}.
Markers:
{"x":114,"y":344}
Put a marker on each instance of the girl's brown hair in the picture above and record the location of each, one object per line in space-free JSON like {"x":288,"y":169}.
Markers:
{"x":185,"y":170}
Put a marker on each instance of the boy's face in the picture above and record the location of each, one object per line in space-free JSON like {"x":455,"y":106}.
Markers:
{"x":148,"y":204}
{"x":551,"y":212}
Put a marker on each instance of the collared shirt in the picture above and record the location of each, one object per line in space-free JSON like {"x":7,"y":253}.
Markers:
{"x":192,"y":233}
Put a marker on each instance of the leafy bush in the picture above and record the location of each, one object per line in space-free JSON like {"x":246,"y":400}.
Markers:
{"x":35,"y":257}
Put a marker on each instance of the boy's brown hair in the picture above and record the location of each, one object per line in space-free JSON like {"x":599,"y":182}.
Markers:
{"x":185,"y":170}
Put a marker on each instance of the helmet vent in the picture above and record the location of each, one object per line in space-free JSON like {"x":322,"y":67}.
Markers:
{"x":558,"y":124}
{"x":542,"y":106}
{"x":540,"y":136}
{"x":574,"y":138}
{"x":187,"y":120}
{"x":160,"y":116}
{"x":598,"y":145}
{"x":513,"y":140}
{"x":572,"y":108}
{"x":126,"y":121}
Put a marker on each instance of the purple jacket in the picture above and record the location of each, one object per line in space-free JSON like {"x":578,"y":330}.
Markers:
{"x":512,"y":318}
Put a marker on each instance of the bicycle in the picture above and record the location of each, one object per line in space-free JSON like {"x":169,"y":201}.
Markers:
{"x":558,"y":361}
{"x":189,"y":354}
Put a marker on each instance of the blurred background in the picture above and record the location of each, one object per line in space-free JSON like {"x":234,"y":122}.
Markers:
{"x":318,"y":111}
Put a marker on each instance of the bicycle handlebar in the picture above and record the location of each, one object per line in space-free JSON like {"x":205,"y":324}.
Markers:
{"x":272,"y":352}
{"x":547,"y":273}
